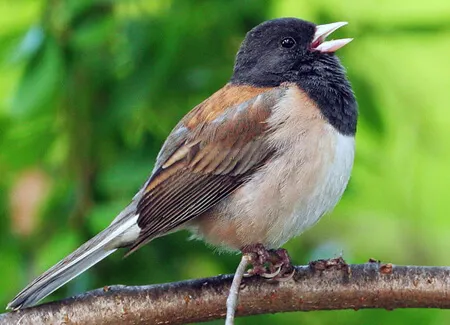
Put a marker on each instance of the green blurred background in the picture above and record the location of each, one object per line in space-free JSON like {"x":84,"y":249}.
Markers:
{"x":89,"y":91}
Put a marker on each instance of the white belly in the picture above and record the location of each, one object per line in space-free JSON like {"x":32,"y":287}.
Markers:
{"x":297,"y":188}
{"x":286,"y":197}
{"x":306,"y":198}
{"x":290,"y":193}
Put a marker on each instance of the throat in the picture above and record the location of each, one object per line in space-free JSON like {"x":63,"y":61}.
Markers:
{"x":335,"y":100}
{"x":322,"y":79}
{"x":326,"y":84}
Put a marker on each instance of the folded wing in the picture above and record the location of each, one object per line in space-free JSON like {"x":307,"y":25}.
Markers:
{"x":208,"y":155}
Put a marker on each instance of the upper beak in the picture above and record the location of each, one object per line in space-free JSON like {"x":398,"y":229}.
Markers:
{"x":322,"y":31}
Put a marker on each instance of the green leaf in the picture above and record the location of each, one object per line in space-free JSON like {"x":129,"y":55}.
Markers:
{"x":41,"y":81}
{"x":92,"y":34}
{"x":125,"y":177}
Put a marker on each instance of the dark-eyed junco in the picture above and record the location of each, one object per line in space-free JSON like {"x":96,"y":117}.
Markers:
{"x":252,"y":166}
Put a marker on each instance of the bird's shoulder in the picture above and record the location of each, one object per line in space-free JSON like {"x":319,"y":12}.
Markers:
{"x":232,"y":116}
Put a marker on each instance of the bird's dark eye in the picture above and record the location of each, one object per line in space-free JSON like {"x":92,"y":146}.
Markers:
{"x":288,"y":42}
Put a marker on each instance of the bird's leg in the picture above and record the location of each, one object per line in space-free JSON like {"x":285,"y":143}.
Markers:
{"x":272,"y":264}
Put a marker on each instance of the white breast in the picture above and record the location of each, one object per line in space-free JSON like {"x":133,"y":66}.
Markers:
{"x":303,"y":181}
{"x":312,"y":196}
{"x":297,"y":188}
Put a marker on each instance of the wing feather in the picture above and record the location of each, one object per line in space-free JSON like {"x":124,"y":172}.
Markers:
{"x":211,"y":152}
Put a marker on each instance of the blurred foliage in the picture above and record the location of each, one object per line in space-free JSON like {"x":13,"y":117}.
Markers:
{"x":90,"y":89}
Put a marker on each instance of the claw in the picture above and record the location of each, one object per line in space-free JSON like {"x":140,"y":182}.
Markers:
{"x":284,"y":277}
{"x":271,"y":275}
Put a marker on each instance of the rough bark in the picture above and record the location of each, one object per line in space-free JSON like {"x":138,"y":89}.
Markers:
{"x":323,"y":285}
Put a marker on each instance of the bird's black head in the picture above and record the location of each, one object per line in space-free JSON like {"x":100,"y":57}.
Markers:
{"x":294,"y":50}
{"x":281,"y":49}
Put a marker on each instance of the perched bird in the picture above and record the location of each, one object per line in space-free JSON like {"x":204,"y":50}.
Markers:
{"x":252,"y":166}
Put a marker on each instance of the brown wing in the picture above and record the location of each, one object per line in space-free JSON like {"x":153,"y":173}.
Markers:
{"x":208,"y":155}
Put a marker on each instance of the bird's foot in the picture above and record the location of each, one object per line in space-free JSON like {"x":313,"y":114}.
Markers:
{"x":273,"y":264}
{"x":283,"y":262}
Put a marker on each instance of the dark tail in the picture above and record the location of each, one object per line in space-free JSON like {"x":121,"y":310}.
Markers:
{"x":90,"y":253}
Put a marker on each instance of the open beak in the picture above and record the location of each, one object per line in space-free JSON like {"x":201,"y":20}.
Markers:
{"x":322,"y":32}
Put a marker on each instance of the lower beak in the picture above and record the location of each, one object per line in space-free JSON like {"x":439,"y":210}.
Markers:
{"x":322,"y":32}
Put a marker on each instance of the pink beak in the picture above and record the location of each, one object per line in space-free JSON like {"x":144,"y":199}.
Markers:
{"x":322,"y":32}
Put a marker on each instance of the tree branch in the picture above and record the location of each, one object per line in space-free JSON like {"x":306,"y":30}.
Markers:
{"x":323,"y":285}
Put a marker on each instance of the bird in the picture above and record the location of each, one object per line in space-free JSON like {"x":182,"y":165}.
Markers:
{"x":252,"y":166}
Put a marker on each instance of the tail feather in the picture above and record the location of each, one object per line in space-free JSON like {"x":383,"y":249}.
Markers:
{"x":90,"y":253}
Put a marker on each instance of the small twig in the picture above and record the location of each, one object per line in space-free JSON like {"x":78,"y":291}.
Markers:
{"x":233,"y":296}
